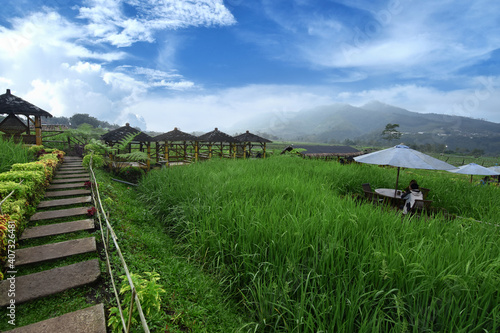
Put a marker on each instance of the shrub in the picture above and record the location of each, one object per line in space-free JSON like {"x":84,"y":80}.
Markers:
{"x":131,"y":174}
{"x":97,"y":161}
{"x":149,"y":292}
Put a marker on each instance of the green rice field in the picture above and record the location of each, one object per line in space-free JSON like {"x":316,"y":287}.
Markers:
{"x":294,"y":242}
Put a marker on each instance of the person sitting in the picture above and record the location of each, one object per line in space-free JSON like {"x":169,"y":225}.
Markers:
{"x":485,"y":180}
{"x":412,"y":194}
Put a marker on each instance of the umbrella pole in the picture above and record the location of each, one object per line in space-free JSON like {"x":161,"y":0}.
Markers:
{"x":471,"y":179}
{"x":397,"y":181}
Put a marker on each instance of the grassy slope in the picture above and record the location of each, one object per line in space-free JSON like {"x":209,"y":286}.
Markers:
{"x":194,"y":300}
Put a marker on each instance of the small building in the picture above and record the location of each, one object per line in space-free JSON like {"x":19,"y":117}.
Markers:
{"x":249,"y":142}
{"x":12,"y":126}
{"x":218,"y":143}
{"x":141,"y":141}
{"x":176,"y":147}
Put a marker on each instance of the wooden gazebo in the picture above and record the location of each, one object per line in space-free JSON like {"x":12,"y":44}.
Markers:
{"x":248,"y":142}
{"x":217,"y":142}
{"x":13,"y":126}
{"x":177,"y":147}
{"x":140,"y":141}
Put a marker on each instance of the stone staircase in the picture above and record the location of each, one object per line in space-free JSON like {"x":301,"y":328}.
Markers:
{"x":68,"y":189}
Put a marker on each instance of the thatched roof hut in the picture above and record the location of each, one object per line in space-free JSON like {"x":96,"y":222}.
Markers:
{"x":250,"y":137}
{"x":216,"y":142}
{"x":175,"y":135}
{"x":249,"y":141}
{"x":217,"y":136}
{"x":179,"y":147}
{"x":116,"y":136}
{"x":13,"y":105}
{"x":121,"y":133}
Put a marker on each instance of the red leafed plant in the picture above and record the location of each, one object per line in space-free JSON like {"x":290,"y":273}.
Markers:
{"x":91,"y":211}
{"x":88,"y":184}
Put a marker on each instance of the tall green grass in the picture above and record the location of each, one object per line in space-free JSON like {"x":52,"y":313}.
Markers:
{"x":11,"y":153}
{"x":290,"y":240}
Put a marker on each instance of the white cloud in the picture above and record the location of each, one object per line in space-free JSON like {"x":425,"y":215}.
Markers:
{"x":109,"y":23}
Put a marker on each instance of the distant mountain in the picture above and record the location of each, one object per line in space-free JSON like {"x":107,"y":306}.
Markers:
{"x":340,"y":122}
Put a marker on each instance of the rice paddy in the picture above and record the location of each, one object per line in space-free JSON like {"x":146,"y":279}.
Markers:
{"x":293,"y":242}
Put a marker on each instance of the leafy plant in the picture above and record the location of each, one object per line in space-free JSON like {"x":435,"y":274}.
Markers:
{"x":149,"y":292}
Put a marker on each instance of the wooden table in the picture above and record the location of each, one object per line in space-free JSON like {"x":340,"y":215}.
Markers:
{"x":388,"y":193}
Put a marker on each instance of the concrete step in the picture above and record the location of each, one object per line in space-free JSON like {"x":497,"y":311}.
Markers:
{"x":71,"y":175}
{"x":64,"y":202}
{"x":54,"y":214}
{"x":52,"y":194}
{"x":70,"y":180}
{"x":88,"y":320}
{"x":66,"y":172}
{"x":49,"y":282}
{"x":57,"y":229}
{"x":36,"y":254}
{"x":65,"y":186}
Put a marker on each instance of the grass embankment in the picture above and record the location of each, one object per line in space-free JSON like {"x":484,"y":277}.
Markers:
{"x":293,"y":246}
{"x":12,"y":153}
{"x":193,"y":301}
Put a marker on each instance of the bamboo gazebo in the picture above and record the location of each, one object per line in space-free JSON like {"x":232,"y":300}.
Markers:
{"x":218,"y":143}
{"x":141,"y":141}
{"x":248,"y":142}
{"x":178,"y":147}
{"x":13,"y":126}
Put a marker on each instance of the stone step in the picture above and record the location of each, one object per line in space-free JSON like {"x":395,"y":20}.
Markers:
{"x":36,"y":254}
{"x":65,"y":172}
{"x":52,"y":194}
{"x":88,"y":320}
{"x":64,"y":202}
{"x":70,"y":180}
{"x":73,"y":158}
{"x":63,"y":186}
{"x":71,"y":168}
{"x":49,"y":282}
{"x":57,"y":229}
{"x":54,"y":214}
{"x":71,"y":175}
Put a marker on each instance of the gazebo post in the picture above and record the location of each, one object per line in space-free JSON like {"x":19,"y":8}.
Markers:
{"x":196,"y":151}
{"x":167,"y":157}
{"x":157,"y":151}
{"x":38,"y":130}
{"x":264,"y":150}
{"x":148,"y":162}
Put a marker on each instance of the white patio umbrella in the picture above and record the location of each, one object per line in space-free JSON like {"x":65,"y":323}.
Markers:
{"x":402,"y":156}
{"x":474,"y":169}
{"x":495,"y":168}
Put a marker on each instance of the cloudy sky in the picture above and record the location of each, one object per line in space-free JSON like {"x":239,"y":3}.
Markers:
{"x":200,"y":64}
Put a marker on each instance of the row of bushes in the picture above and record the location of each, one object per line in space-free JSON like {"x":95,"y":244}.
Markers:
{"x":28,"y":182}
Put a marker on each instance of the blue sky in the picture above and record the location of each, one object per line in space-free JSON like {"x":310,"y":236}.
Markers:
{"x":200,"y":64}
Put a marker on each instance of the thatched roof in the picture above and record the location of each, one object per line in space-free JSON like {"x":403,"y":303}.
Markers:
{"x":12,"y":125}
{"x":249,"y":137}
{"x":12,"y":104}
{"x":120,"y":134}
{"x":217,"y":136}
{"x":175,"y":135}
{"x":324,"y":151}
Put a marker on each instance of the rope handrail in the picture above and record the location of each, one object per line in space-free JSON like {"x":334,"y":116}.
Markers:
{"x":109,"y":230}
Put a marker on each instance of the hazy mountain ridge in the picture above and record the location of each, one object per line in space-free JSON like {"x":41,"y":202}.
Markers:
{"x":339,"y":122}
